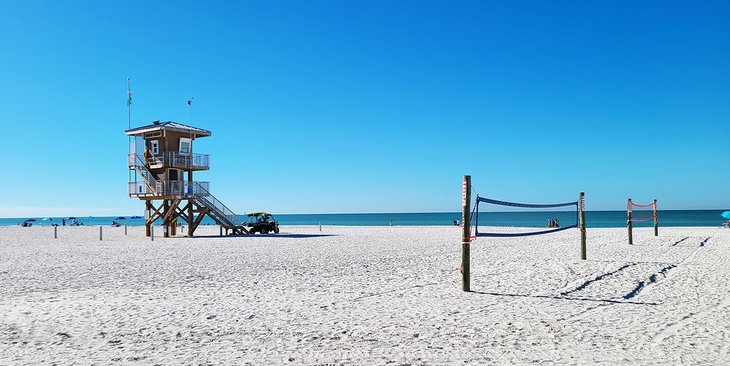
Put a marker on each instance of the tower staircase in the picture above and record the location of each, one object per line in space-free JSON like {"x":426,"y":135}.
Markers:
{"x":198,"y":194}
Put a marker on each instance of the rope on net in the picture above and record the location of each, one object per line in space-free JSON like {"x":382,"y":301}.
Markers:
{"x":522,"y":205}
{"x":642,"y":220}
{"x":638,"y":205}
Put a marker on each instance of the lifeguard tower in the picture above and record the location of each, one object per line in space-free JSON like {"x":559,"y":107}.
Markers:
{"x":161,"y":156}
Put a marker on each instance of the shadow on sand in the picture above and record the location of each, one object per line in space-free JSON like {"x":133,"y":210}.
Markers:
{"x":556,"y":297}
{"x":284,"y":235}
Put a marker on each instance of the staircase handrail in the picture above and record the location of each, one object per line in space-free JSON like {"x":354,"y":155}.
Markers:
{"x":147,"y":176}
{"x":205,"y":195}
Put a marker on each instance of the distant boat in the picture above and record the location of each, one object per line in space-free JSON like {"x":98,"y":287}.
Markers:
{"x":47,"y":219}
{"x":135,"y":217}
{"x":120,"y":218}
{"x":71,"y":218}
{"x":30,"y":220}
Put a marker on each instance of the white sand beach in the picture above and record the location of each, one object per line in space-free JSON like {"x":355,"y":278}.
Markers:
{"x":363,"y":295}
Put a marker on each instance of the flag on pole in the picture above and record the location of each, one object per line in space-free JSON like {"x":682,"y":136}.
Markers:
{"x":129,"y":93}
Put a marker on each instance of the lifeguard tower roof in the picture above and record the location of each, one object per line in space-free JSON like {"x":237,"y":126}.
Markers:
{"x":168,"y":126}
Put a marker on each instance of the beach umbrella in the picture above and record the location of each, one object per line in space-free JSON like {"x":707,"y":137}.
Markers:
{"x":726,"y":215}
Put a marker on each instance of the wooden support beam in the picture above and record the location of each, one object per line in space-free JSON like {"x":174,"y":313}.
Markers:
{"x":197,"y":221}
{"x":166,"y":206}
{"x":148,"y":223}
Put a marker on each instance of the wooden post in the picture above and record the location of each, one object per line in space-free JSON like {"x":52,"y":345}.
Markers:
{"x":55,"y":232}
{"x":148,"y":224}
{"x":320,"y":226}
{"x":125,"y":229}
{"x":465,"y":232}
{"x":99,"y":233}
{"x":190,"y":212}
{"x":220,"y":229}
{"x":629,"y":223}
{"x":656,"y":221}
{"x":166,"y":223}
{"x":152,"y":233}
{"x":582,"y":209}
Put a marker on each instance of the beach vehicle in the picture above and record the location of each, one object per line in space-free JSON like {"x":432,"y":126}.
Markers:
{"x":261,"y":222}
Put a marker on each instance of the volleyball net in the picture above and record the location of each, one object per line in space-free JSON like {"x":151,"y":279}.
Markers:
{"x":640,"y":208}
{"x":643,"y":209}
{"x":482,"y":200}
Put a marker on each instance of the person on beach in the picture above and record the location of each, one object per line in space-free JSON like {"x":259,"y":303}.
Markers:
{"x":557,"y":222}
{"x":147,"y":157}
{"x":550,"y":223}
{"x":456,"y":222}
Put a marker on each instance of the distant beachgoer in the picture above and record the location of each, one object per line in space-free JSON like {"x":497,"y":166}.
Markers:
{"x":63,"y":221}
{"x":557,"y":222}
{"x":456,"y":222}
{"x":391,"y":222}
{"x":550,"y":223}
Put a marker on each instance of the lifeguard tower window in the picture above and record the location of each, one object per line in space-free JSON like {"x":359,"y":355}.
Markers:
{"x":174,"y":174}
{"x":185,"y":145}
{"x":155,"y":147}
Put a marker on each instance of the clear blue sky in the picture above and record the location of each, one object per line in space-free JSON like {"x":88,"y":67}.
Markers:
{"x":370,"y":106}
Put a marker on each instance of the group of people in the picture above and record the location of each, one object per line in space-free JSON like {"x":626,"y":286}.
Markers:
{"x":553,"y":223}
{"x":72,"y":222}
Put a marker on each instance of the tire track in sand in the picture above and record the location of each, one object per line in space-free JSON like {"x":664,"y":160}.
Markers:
{"x":674,"y":328}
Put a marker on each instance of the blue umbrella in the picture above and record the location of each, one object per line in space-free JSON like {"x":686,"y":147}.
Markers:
{"x":726,"y":215}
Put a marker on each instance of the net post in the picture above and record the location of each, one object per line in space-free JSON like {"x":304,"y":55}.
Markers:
{"x":465,"y":232}
{"x":629,"y":224}
{"x":656,"y":221}
{"x":582,"y":210}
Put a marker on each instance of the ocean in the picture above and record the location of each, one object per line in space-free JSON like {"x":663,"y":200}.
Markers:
{"x":595,"y":219}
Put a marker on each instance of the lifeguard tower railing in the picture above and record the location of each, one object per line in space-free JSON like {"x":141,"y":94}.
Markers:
{"x":199,"y":191}
{"x":177,"y":189}
{"x":172,"y":159}
{"x":183,"y":161}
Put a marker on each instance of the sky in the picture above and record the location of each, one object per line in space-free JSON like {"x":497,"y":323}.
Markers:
{"x":371,"y":106}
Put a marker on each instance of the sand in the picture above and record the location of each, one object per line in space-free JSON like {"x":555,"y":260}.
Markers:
{"x":363,"y":295}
